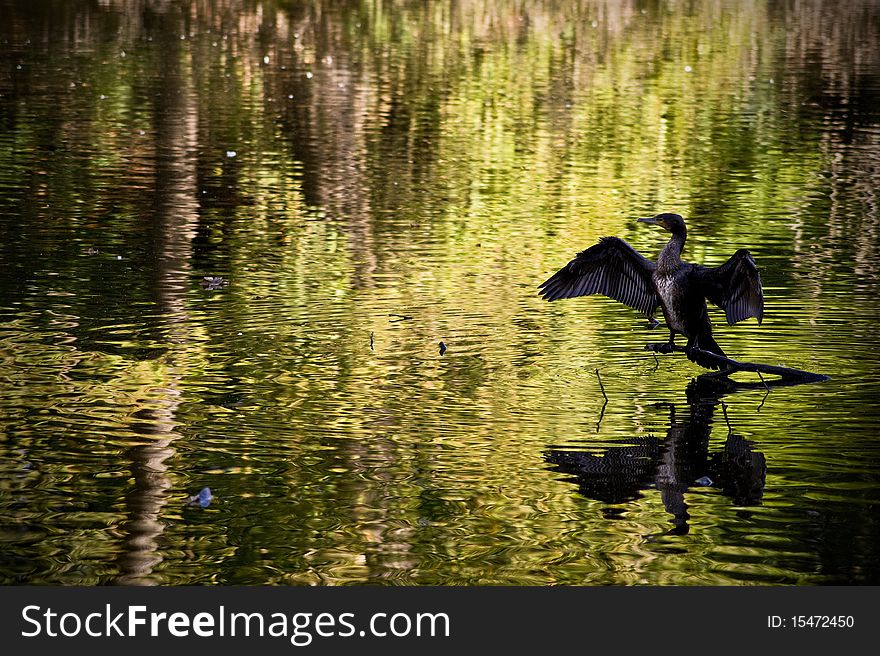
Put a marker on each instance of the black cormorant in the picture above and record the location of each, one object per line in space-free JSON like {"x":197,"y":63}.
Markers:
{"x":615,"y":269}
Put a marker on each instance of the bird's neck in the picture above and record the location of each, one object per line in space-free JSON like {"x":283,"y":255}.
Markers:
{"x":670,"y":256}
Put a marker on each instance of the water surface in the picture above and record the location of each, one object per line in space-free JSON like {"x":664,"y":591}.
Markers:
{"x":234,"y":234}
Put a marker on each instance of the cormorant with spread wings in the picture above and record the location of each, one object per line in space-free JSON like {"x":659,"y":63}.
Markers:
{"x":615,"y":269}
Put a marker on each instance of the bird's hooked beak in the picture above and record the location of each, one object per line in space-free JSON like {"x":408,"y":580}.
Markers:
{"x":652,"y":220}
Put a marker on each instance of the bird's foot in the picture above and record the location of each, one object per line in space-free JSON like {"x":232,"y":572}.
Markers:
{"x":661,"y":347}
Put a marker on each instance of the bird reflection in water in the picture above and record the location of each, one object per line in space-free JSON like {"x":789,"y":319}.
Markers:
{"x":672,"y":465}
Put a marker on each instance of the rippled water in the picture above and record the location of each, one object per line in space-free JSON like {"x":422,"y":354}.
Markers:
{"x":234,"y":234}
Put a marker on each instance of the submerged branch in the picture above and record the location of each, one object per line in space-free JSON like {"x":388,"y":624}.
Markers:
{"x":729,"y":366}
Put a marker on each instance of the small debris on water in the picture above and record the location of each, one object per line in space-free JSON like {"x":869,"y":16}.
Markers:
{"x":203,"y":498}
{"x":214,"y":282}
{"x":231,"y":153}
{"x":442,"y":348}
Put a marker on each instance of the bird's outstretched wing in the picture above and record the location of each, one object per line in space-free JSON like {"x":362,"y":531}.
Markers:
{"x":612,"y":268}
{"x":734,"y":286}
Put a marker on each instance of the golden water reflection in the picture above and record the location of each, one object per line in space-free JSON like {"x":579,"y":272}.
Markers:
{"x":362,"y":181}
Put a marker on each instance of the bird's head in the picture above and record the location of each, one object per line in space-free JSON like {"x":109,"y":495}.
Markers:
{"x":670,"y":222}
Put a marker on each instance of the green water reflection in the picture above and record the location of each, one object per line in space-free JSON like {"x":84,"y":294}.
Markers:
{"x":372,"y":178}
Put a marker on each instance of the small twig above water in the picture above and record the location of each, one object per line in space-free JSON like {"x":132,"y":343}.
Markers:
{"x":767,"y":387}
{"x":400,"y":317}
{"x":601,"y":386}
{"x":761,"y":405}
{"x":442,"y":348}
{"x":601,"y":415}
{"x":604,"y":405}
{"x":656,"y":362}
{"x":724,"y":410}
{"x":371,"y":340}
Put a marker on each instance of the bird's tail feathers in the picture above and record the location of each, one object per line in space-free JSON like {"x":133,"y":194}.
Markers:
{"x":704,"y":343}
